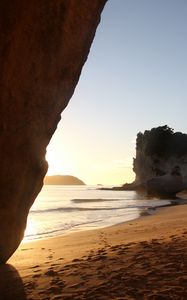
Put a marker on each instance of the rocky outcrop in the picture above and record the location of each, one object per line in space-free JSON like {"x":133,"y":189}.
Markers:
{"x":165,"y":185}
{"x":44,"y":45}
{"x":159,"y":151}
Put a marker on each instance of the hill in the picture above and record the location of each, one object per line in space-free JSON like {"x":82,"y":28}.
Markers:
{"x":62,"y":180}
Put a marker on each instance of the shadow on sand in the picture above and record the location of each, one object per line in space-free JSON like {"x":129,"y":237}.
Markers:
{"x":11,"y":285}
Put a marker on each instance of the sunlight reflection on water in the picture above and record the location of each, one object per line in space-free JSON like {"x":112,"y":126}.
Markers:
{"x":62,"y":209}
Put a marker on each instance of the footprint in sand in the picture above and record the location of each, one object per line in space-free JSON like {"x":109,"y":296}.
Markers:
{"x":76,"y":260}
{"x":77,"y":285}
{"x":51,"y":273}
{"x":37,"y":270}
{"x":34,"y":267}
{"x":85,"y":277}
{"x":104,"y":240}
{"x":26,"y":249}
{"x":57,"y":281}
{"x":36,"y":276}
{"x":54,"y":289}
{"x":30,"y":285}
{"x":101,"y":251}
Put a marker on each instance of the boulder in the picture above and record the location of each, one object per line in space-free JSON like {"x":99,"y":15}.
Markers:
{"x":44,"y":45}
{"x":166,"y":185}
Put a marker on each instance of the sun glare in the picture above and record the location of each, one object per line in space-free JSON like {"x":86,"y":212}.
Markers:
{"x":58,"y":163}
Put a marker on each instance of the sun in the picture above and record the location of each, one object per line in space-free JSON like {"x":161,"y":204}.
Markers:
{"x":59,"y":162}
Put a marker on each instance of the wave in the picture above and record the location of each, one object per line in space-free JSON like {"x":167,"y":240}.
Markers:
{"x":94,"y":200}
{"x":74,"y":209}
{"x":52,"y":232}
{"x":71,"y":209}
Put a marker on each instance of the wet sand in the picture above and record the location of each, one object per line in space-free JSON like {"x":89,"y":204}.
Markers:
{"x":141,"y":259}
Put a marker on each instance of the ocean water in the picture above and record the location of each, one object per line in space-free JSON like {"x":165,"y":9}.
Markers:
{"x":60,"y":210}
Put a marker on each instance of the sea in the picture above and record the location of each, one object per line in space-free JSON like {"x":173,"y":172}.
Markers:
{"x":60,"y":210}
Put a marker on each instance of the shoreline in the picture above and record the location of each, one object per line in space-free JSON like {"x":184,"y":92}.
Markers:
{"x":147,"y":211}
{"x":131,"y":260}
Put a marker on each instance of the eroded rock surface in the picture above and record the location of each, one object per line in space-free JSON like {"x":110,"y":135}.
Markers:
{"x":44,"y":45}
{"x":159,"y":152}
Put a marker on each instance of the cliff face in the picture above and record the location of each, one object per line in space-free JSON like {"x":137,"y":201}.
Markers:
{"x":158,"y":152}
{"x":44,"y":45}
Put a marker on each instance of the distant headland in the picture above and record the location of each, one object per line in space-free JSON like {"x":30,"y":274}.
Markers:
{"x":62,"y":180}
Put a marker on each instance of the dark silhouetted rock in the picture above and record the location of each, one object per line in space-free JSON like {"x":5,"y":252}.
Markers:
{"x":161,"y":160}
{"x":165,"y":185}
{"x":44,"y":45}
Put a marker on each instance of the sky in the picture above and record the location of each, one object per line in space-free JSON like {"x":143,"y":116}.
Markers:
{"x":135,"y":79}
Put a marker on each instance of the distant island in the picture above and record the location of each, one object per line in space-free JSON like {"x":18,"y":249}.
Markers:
{"x":62,"y":180}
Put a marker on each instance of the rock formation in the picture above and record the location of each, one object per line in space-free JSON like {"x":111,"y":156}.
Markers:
{"x":44,"y":45}
{"x":159,"y":151}
{"x":166,"y":185}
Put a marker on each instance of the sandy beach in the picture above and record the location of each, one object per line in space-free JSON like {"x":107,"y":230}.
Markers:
{"x":141,"y":259}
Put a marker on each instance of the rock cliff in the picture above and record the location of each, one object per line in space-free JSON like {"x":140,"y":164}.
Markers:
{"x":158,"y":152}
{"x":44,"y":45}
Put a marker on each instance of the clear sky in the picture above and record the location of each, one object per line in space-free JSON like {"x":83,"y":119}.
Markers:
{"x":135,"y":78}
